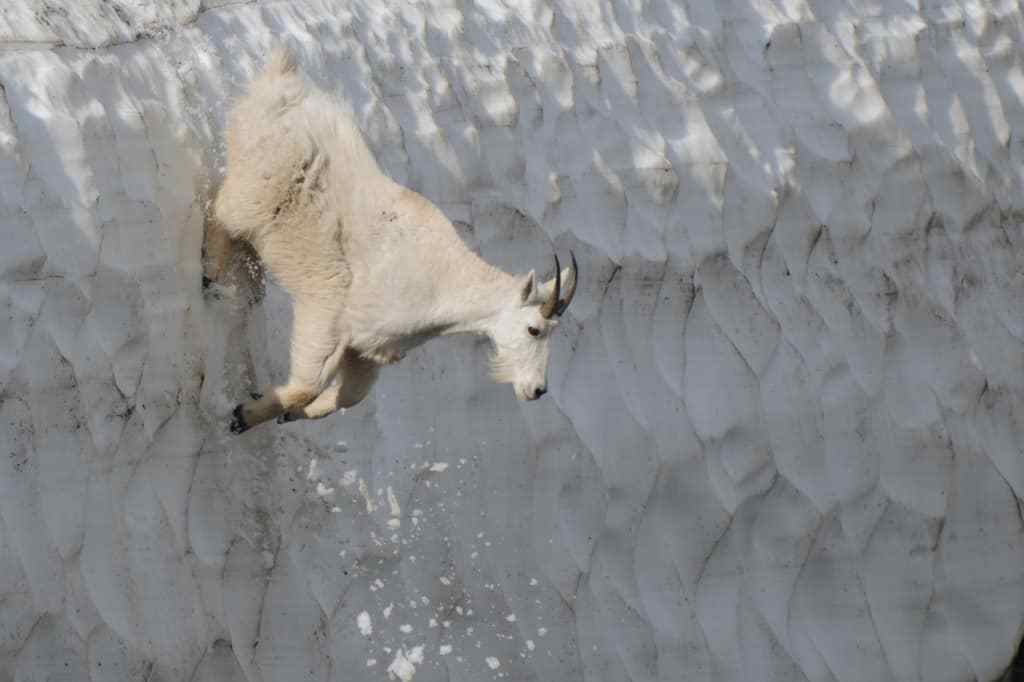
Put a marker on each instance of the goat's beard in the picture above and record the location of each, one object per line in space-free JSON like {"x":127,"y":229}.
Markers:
{"x":501,"y":370}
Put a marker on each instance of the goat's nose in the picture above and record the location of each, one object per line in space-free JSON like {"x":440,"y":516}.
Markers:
{"x":539,"y":391}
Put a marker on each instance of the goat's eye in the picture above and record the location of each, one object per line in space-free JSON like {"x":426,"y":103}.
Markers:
{"x":533,"y":331}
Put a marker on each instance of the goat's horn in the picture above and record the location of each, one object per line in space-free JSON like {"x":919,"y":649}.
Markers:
{"x":562,"y":305}
{"x":550,"y":306}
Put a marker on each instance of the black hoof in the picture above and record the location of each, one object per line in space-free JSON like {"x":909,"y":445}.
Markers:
{"x":286,"y":417}
{"x":209,"y":291}
{"x":255,"y":396}
{"x":238,"y":424}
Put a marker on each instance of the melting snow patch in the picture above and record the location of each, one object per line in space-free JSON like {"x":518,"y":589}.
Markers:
{"x":493,"y":663}
{"x":445,"y":649}
{"x":405,"y":628}
{"x":404,"y":665}
{"x":365,"y":624}
{"x":365,"y":492}
{"x":349,"y":478}
{"x":393,"y":502}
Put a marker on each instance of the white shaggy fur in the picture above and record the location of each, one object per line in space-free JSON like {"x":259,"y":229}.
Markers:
{"x":374,"y":268}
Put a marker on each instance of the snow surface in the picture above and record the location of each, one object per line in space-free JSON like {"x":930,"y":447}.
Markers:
{"x":785,"y":432}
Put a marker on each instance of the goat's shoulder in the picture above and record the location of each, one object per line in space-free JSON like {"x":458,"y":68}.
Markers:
{"x":412,"y":207}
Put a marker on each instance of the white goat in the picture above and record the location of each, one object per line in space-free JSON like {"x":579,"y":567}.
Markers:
{"x":374,"y":269}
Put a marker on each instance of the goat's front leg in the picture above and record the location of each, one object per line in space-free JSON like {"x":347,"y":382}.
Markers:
{"x":316,"y":351}
{"x":353,"y":382}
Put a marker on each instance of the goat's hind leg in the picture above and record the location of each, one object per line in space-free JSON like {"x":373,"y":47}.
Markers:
{"x":353,"y":381}
{"x":316,"y":351}
{"x":218,"y":247}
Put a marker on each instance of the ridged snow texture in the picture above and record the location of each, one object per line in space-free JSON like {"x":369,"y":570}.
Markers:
{"x":785,"y":429}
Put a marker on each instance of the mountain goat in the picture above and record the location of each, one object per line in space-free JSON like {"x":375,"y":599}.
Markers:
{"x":373,"y":268}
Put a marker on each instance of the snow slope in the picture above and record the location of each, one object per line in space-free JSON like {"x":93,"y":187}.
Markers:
{"x":785,"y":433}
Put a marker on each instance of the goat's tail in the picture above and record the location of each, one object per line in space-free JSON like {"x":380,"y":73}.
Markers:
{"x":277,"y":87}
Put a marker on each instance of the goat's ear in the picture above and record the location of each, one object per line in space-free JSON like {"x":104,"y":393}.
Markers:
{"x":528,"y":285}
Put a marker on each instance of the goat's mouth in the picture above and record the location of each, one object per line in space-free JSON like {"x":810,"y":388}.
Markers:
{"x":529,"y":395}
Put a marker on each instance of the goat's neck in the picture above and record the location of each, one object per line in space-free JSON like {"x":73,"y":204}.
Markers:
{"x":476,"y":292}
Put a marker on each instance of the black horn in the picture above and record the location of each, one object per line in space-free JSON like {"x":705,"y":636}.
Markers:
{"x":551,"y":305}
{"x":562,"y":305}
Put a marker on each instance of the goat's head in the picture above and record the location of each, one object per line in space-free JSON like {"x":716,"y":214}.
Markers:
{"x":521,"y":332}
